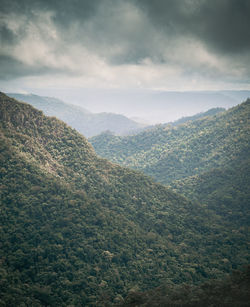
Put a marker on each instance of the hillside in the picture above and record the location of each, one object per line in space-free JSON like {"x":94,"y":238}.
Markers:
{"x":224,"y":189}
{"x":171,"y":153}
{"x":85,"y":122}
{"x":179,"y":121}
{"x":206,"y":160}
{"x":200,"y":115}
{"x":231,"y":291}
{"x":79,"y":230}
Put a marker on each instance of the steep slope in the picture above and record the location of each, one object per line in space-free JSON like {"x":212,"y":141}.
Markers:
{"x":206,"y":160}
{"x":87,"y":123}
{"x":78,"y":230}
{"x":231,"y":291}
{"x":224,"y":189}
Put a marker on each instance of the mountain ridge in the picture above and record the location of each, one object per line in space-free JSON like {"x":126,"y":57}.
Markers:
{"x":82,"y":120}
{"x":148,"y":148}
{"x":155,"y":106}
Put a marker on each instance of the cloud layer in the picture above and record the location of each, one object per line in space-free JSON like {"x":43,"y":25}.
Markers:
{"x":164,"y":44}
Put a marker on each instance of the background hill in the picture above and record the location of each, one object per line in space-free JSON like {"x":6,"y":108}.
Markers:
{"x":79,"y":230}
{"x":179,"y":121}
{"x":200,"y":115}
{"x":85,"y":122}
{"x":206,"y":160}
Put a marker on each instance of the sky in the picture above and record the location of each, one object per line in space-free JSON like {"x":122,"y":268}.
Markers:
{"x":164,"y":45}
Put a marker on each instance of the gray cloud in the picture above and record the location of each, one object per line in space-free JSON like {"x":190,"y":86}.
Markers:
{"x":144,"y":40}
{"x":12,"y":68}
{"x":223,"y":25}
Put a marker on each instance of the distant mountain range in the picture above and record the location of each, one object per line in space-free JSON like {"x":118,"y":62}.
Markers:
{"x":154,"y":106}
{"x":85,"y":122}
{"x":77,"y":230}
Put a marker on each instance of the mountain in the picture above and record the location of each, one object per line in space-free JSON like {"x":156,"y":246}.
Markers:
{"x":85,"y":122}
{"x":78,"y":230}
{"x":154,"y":106}
{"x":170,"y":153}
{"x":200,"y":115}
{"x":206,"y":160}
{"x":180,"y":121}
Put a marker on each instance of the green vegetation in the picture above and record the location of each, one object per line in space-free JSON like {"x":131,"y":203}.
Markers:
{"x":232,"y":291}
{"x":206,"y":160}
{"x":82,"y":120}
{"x":201,"y":115}
{"x":77,"y":230}
{"x":170,"y":153}
{"x":224,"y":190}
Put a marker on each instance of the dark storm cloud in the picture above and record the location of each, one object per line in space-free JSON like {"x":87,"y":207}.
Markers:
{"x":7,"y":36}
{"x":11,"y":67}
{"x":222,"y":24}
{"x":65,"y":9}
{"x":64,"y":12}
{"x":102,"y":27}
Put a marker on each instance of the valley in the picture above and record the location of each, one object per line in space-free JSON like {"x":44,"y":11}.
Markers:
{"x":80,"y":230}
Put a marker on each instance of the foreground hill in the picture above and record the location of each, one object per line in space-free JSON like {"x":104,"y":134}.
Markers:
{"x":78,"y":230}
{"x":85,"y":122}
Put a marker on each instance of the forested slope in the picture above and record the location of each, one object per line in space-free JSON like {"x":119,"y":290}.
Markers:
{"x":172,"y":153}
{"x":224,"y":189}
{"x":232,"y":291}
{"x":79,"y":230}
{"x":206,"y":160}
{"x":200,"y":115}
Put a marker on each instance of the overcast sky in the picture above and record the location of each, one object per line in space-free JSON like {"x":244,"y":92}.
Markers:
{"x":125,"y":44}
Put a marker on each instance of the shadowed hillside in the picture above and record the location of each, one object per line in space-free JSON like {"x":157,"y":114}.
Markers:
{"x":232,"y":291}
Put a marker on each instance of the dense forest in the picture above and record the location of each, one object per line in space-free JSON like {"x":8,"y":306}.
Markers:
{"x":206,"y":160}
{"x":232,"y":291}
{"x":77,"y":230}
